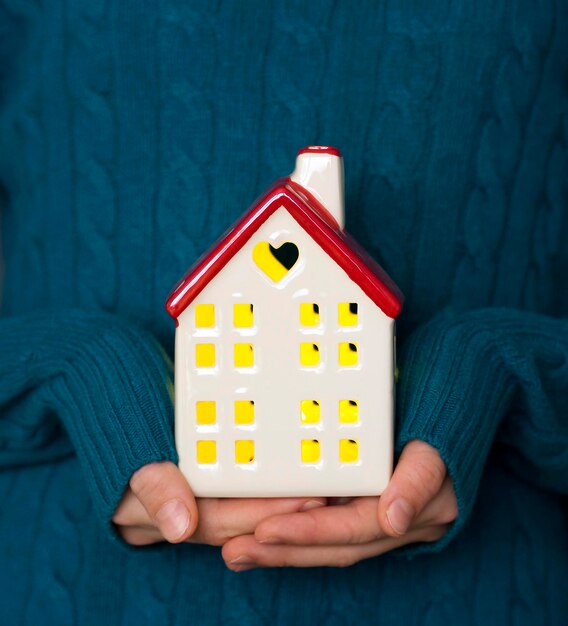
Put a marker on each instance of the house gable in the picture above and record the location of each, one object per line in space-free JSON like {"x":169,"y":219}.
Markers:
{"x":318,"y":223}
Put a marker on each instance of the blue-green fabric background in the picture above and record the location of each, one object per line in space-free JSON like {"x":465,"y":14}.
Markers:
{"x":132,"y":134}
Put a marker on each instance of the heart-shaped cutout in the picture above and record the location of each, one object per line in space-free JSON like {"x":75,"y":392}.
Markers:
{"x":275,"y":262}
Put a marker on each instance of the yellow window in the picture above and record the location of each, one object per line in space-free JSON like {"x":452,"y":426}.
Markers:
{"x":348,"y":354}
{"x":204,"y":315}
{"x":310,"y":450}
{"x":348,"y":412}
{"x":243,"y":316}
{"x":206,"y":412}
{"x":205,"y":355}
{"x":309,"y":354}
{"x":309,"y":314}
{"x":309,"y":411}
{"x":206,"y":451}
{"x":348,"y":313}
{"x":244,"y":355}
{"x":244,"y":412}
{"x":348,"y":451}
{"x":244,"y":451}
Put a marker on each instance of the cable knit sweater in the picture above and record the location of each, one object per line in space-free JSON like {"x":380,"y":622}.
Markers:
{"x":132,"y":133}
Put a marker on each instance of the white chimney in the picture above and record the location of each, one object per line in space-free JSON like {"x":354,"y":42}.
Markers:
{"x":320,"y":170}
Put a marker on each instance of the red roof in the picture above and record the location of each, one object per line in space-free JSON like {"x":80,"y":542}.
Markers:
{"x":317,"y":222}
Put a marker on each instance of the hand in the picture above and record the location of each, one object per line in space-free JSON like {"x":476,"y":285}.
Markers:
{"x":160,"y":506}
{"x":418,"y":505}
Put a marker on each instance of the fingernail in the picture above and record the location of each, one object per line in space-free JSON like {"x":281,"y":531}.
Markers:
{"x":270,"y":540}
{"x":311,"y":504}
{"x":173,"y":519}
{"x":400,"y":514}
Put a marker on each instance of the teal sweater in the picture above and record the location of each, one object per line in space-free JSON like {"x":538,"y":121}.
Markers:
{"x":132,"y":134}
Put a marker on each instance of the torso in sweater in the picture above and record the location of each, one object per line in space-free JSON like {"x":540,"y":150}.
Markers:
{"x":131,"y":139}
{"x":132,"y":134}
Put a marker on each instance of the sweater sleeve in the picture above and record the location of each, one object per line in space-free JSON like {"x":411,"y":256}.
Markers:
{"x":492,"y":375}
{"x":87,"y":383}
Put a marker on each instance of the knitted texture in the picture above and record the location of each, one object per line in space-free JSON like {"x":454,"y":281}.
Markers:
{"x":464,"y":375}
{"x":105,"y":382}
{"x":132,"y":134}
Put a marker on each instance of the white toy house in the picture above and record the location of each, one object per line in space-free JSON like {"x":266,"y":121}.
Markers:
{"x":284,"y":367}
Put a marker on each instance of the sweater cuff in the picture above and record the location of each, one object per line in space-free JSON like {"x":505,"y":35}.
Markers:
{"x":453,"y":393}
{"x":110,"y":383}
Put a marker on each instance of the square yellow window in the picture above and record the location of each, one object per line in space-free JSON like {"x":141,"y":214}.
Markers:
{"x":244,"y":451}
{"x":244,"y":355}
{"x":309,"y":314}
{"x":244,"y":412}
{"x":309,"y":354}
{"x":348,"y":451}
{"x":243,"y":315}
{"x":348,"y":412}
{"x":310,"y":450}
{"x":205,"y":355}
{"x":206,"y":452}
{"x":206,"y":412}
{"x":348,"y":354}
{"x":204,"y":315}
{"x":309,"y":411}
{"x":348,"y":313}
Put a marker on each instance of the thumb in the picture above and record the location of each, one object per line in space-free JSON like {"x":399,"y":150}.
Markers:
{"x":417,"y":478}
{"x":167,"y":497}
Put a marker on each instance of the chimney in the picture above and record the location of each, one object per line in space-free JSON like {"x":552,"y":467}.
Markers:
{"x":320,"y":170}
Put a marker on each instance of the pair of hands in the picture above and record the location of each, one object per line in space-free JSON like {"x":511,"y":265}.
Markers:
{"x":418,"y":505}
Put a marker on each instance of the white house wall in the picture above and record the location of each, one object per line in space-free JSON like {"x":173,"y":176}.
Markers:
{"x":277,"y":383}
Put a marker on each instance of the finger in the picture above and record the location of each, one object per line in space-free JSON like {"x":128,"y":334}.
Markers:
{"x":140,"y":536}
{"x":356,"y":522}
{"x":167,"y":497}
{"x":442,"y":509}
{"x":352,"y":523}
{"x":222,"y":519}
{"x":417,"y":478}
{"x":243,"y":553}
{"x":130,"y":512}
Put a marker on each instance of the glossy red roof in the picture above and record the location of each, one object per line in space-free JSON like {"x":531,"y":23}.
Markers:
{"x":317,"y":222}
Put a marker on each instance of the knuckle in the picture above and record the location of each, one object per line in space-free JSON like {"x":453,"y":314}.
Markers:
{"x":353,"y":535}
{"x":144,"y":479}
{"x":358,"y":530}
{"x":427,"y":476}
{"x":313,"y":527}
{"x":150,"y":485}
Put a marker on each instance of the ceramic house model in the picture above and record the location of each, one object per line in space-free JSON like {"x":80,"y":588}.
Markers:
{"x":284,"y":368}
